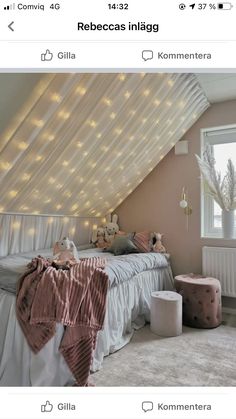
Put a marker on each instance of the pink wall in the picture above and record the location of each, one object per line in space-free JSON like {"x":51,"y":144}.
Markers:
{"x":154,"y":205}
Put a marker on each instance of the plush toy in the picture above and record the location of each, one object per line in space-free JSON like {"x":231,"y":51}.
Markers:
{"x":111,"y":228}
{"x":157,"y":245}
{"x":65,"y":251}
{"x":98,"y":238}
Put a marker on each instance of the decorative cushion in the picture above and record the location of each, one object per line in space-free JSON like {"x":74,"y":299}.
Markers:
{"x":201,"y":300}
{"x":122,"y":245}
{"x":143,"y":241}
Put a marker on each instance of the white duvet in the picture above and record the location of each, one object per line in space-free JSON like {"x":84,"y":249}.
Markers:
{"x":128,"y":308}
{"x":119,"y":268}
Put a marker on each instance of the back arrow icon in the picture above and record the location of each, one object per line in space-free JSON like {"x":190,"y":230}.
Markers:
{"x":10,"y":26}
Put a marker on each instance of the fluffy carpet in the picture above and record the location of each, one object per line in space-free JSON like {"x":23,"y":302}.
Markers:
{"x":196,"y":358}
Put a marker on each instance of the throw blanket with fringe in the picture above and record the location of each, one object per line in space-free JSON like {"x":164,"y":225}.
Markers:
{"x":75,"y":297}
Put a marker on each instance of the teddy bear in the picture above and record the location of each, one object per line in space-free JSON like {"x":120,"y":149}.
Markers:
{"x":98,"y":238}
{"x":65,"y":251}
{"x":157,"y":245}
{"x":111,"y":228}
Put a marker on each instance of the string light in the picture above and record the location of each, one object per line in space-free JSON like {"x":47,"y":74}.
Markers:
{"x":122,"y":77}
{"x":170,"y":83}
{"x":13,"y":193}
{"x":81,"y":90}
{"x":92,"y":123}
{"x":16,"y":225}
{"x":64,"y":115}
{"x":56,"y":98}
{"x":146,"y":92}
{"x":118,"y":131}
{"x":75,"y":161}
{"x":5,"y":165}
{"x":38,"y":158}
{"x":107,"y":101}
{"x":127,"y":94}
{"x":22,"y":145}
{"x":74,"y":207}
{"x":38,"y":122}
{"x":26,"y":176}
{"x":86,"y":223}
{"x":104,"y":148}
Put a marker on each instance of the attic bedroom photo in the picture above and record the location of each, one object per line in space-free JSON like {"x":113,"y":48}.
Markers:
{"x":118,"y":229}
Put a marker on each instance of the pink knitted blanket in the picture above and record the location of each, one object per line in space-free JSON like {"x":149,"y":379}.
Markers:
{"x":75,"y":297}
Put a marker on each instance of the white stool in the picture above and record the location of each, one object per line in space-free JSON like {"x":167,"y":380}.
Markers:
{"x":166,"y":313}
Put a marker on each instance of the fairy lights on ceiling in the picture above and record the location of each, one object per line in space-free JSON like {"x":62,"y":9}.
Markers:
{"x":85,"y":141}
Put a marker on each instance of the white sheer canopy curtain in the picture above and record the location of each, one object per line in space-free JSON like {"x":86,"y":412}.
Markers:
{"x":24,"y":233}
{"x":83,"y":142}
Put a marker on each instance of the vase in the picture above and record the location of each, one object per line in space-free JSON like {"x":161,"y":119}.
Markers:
{"x":228,"y":218}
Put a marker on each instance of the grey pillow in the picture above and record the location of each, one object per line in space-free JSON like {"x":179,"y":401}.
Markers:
{"x":122,"y":245}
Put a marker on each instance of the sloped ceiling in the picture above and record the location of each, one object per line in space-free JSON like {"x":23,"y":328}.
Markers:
{"x":82,"y":142}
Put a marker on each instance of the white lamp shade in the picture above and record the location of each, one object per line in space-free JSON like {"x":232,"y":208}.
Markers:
{"x":183,"y":203}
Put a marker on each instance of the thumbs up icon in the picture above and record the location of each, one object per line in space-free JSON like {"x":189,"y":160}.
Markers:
{"x":47,"y":407}
{"x":47,"y":56}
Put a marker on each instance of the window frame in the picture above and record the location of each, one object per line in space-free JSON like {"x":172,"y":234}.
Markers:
{"x":209,"y":135}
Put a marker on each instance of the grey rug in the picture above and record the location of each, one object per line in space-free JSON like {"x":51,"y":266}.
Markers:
{"x":196,"y":358}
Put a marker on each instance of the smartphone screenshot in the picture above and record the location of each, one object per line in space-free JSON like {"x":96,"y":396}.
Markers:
{"x":117,"y":209}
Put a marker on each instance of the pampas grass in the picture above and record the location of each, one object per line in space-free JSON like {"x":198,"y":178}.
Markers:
{"x":222,"y":190}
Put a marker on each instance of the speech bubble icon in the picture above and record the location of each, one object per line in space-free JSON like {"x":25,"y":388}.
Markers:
{"x":147,"y":54}
{"x":147,"y":406}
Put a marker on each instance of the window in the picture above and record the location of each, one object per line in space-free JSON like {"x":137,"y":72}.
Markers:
{"x":223,"y":142}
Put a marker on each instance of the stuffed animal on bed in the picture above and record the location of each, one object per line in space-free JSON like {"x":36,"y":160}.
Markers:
{"x":65,"y":251}
{"x":157,"y":245}
{"x":111,"y":228}
{"x":98,"y":238}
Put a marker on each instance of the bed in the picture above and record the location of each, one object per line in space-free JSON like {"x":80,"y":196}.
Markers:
{"x":132,"y":278}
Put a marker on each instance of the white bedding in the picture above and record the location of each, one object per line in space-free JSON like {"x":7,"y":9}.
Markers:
{"x":118,"y":268}
{"x":128,"y":307}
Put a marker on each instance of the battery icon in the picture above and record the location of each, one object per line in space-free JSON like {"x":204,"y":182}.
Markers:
{"x":224,"y":6}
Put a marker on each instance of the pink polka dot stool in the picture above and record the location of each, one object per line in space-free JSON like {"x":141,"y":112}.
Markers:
{"x":201,"y":300}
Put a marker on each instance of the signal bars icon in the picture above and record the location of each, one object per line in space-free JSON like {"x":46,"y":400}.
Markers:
{"x":9,"y":7}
